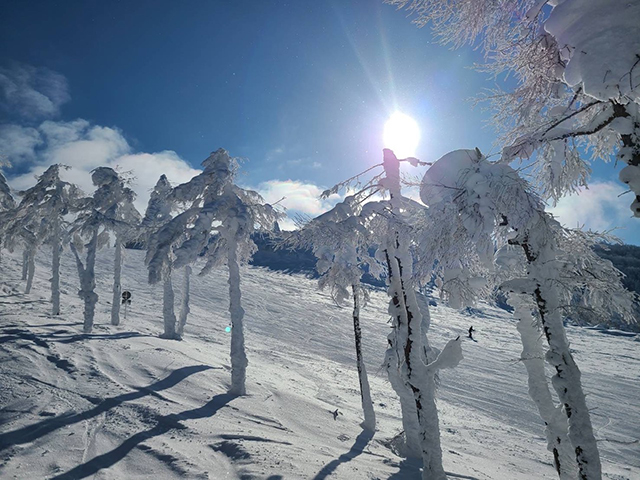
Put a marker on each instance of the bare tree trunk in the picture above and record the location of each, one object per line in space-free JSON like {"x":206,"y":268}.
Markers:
{"x":184,"y":309}
{"x":117,"y":287}
{"x":365,"y":391}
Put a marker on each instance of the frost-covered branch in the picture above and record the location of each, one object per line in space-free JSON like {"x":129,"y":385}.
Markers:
{"x":575,"y":63}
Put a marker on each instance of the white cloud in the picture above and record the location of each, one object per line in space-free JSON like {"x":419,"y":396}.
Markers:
{"x":32,"y":93}
{"x":81,"y":145}
{"x":18,"y":143}
{"x":597,"y":208}
{"x":299,"y":198}
{"x":84,"y":147}
{"x":147,"y":168}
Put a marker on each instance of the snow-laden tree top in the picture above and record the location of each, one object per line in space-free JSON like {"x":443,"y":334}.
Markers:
{"x":159,"y":207}
{"x":113,"y":198}
{"x":340,"y":241}
{"x":110,"y":208}
{"x":495,"y":207}
{"x":599,"y":44}
{"x":577,"y":70}
{"x":39,"y":215}
{"x":51,"y":191}
{"x":218,"y":170}
{"x":481,"y":189}
{"x":218,"y":215}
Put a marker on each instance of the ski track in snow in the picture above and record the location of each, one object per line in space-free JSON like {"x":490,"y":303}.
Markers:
{"x":123,"y":403}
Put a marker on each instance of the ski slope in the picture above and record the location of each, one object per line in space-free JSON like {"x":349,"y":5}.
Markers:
{"x":123,"y":403}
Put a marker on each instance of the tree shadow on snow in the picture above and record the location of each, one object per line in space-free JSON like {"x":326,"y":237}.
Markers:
{"x":164,"y":425}
{"x":64,"y":336}
{"x":77,"y":337}
{"x":409,"y":469}
{"x":24,"y":302}
{"x":458,"y":475}
{"x":56,"y":324}
{"x":32,"y":432}
{"x":362,"y":441}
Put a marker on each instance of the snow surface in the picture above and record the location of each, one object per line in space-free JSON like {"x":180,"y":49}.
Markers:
{"x":123,"y":403}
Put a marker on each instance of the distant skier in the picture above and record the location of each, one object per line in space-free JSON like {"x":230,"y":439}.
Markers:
{"x":126,"y":301}
{"x":471,"y":330}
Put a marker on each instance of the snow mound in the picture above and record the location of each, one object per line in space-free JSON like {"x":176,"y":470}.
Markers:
{"x":599,"y":41}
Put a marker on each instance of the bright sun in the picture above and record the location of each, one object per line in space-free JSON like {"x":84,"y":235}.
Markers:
{"x":401,"y":134}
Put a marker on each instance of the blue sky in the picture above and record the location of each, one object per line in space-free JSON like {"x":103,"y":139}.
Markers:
{"x":302,"y":89}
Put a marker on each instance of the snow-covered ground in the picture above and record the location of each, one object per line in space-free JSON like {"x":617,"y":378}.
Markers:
{"x":122,"y":403}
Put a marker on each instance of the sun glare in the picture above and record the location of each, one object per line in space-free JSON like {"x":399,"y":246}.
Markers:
{"x":401,"y":134}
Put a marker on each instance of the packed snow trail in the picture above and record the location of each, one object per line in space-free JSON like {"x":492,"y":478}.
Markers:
{"x":123,"y":403}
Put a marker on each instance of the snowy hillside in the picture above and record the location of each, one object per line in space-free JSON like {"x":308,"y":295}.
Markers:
{"x":123,"y":403}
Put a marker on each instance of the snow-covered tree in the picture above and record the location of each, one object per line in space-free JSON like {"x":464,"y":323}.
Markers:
{"x":7,"y":203}
{"x":406,"y":339}
{"x":159,"y":212}
{"x":336,"y":239}
{"x":40,"y":218}
{"x":555,"y":419}
{"x":494,"y":203}
{"x":125,"y":219}
{"x":24,"y":234}
{"x":22,"y":231}
{"x":184,"y":305}
{"x":577,"y":68}
{"x":218,"y":225}
{"x":411,"y":364}
{"x":109,"y":210}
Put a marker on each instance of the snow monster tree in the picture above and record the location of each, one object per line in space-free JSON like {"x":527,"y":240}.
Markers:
{"x":39,"y":218}
{"x":109,"y":210}
{"x":218,"y":225}
{"x":497,"y":208}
